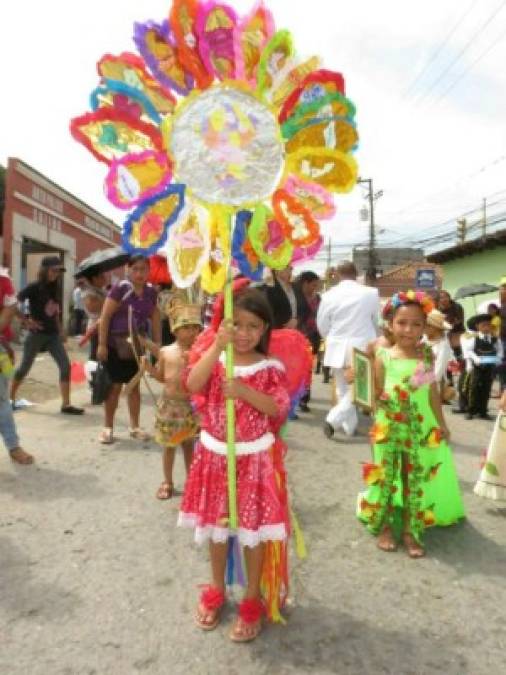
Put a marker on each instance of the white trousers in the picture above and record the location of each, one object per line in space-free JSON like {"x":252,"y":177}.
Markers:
{"x":344,"y":414}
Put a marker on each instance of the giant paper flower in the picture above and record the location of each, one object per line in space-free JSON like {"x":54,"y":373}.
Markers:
{"x":219,"y":118}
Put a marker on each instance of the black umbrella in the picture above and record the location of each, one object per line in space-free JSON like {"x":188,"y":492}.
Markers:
{"x":101,"y":261}
{"x":474,"y":289}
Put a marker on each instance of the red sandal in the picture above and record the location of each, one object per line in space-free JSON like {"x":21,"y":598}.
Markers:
{"x":211,"y":601}
{"x":248,"y":624}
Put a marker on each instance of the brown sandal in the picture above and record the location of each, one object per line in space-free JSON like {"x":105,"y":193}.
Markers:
{"x":211,"y":601}
{"x":165,"y":491}
{"x":415,"y":550}
{"x":248,"y":624}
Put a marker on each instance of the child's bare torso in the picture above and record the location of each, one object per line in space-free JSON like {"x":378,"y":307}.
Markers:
{"x":173,"y":360}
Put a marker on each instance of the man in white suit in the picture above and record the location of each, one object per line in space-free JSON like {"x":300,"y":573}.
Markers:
{"x":347,"y":318}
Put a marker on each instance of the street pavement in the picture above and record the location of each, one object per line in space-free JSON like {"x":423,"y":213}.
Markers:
{"x":96,"y":580}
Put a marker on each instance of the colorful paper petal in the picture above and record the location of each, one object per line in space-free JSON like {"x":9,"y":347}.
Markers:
{"x":188,"y":245}
{"x":274,"y":58}
{"x":280,"y":257}
{"x":314,"y":87}
{"x":297,"y":223}
{"x":134,"y":178}
{"x":158,"y":48}
{"x":183,"y":16}
{"x":130,"y":69}
{"x":335,"y":133}
{"x":145,"y":230}
{"x":287,"y":81}
{"x":250,"y":37}
{"x":158,"y":270}
{"x":129,"y":100}
{"x":328,"y":107}
{"x":242,"y":251}
{"x":215,"y":28}
{"x":334,"y":170}
{"x":214,"y":271}
{"x":110,"y":134}
{"x":315,"y":198}
{"x":303,"y":254}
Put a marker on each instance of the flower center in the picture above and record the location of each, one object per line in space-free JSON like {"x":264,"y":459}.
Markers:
{"x":227,"y":147}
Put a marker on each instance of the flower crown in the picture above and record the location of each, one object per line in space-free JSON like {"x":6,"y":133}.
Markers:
{"x":404,"y":297}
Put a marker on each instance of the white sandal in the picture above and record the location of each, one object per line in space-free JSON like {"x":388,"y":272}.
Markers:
{"x":105,"y":437}
{"x":139,"y":434}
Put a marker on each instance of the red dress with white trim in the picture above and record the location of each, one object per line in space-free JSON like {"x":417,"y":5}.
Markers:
{"x":261,"y":488}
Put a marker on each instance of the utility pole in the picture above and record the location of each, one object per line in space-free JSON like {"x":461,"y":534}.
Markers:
{"x":372,"y":257}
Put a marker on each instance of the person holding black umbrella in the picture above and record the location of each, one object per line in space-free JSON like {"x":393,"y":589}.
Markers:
{"x":452,"y":310}
{"x":92,"y":271}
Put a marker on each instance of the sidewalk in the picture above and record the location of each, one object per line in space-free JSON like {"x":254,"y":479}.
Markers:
{"x":95,"y":578}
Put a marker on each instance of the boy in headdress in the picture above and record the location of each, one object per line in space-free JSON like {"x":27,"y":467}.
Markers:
{"x":483,"y":354}
{"x":175,"y":422}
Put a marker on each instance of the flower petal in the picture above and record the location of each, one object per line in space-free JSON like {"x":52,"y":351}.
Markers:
{"x":130,"y":69}
{"x":214,"y":271}
{"x":188,"y":245}
{"x":130,"y":100}
{"x":250,"y":37}
{"x":157,"y":46}
{"x":215,"y":28}
{"x":145,"y":230}
{"x":314,"y":197}
{"x":297,"y":223}
{"x":110,"y":134}
{"x":333,"y":169}
{"x":182,"y":19}
{"x":242,"y":251}
{"x":276,"y":259}
{"x":137,"y":177}
{"x":275,"y":56}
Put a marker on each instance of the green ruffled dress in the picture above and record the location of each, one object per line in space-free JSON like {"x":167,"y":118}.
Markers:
{"x":407,"y":441}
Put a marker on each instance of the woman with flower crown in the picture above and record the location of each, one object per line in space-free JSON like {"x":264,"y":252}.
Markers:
{"x":412,"y":483}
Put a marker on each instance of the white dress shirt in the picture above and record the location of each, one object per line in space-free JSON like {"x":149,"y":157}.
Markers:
{"x":347,"y":317}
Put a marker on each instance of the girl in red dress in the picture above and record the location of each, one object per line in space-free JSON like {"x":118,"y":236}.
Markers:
{"x":261,"y":406}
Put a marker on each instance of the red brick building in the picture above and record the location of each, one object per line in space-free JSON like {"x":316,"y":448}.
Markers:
{"x":403,"y":278}
{"x":41,"y":218}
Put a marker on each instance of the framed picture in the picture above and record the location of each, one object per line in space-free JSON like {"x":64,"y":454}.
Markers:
{"x":363,"y":385}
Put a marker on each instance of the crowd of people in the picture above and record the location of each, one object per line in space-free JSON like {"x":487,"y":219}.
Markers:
{"x":422,"y":347}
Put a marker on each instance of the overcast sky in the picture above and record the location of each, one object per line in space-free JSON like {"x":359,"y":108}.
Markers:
{"x":428,"y":80}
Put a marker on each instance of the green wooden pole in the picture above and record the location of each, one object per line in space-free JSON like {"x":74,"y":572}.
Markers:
{"x":230,"y":410}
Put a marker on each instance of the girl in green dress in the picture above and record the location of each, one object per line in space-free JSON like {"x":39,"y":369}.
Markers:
{"x":412,"y":482}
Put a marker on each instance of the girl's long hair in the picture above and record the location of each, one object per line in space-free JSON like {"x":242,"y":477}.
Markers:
{"x":253,"y":301}
{"x":53,"y":287}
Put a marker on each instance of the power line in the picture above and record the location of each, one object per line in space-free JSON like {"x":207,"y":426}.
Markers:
{"x":439,"y":49}
{"x":470,"y":67}
{"x":426,"y":230}
{"x":434,"y":195}
{"x":461,"y":53}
